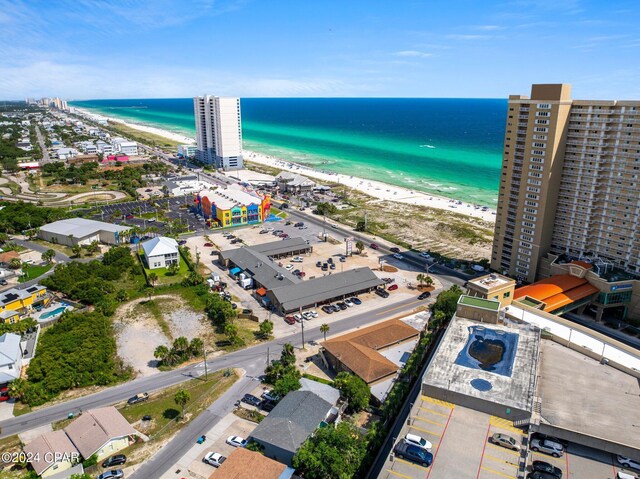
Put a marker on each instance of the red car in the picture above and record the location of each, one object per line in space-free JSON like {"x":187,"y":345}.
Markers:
{"x":393,"y":287}
{"x":374,"y":246}
{"x":4,"y":394}
{"x":290,"y":320}
{"x":129,"y":216}
{"x":210,"y":245}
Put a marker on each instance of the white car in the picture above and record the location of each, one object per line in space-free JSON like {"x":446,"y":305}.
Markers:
{"x":298,"y":317}
{"x":289,"y":267}
{"x":398,"y":256}
{"x":348,"y":303}
{"x":302,"y":227}
{"x":236,"y":441}
{"x":297,"y":259}
{"x":214,"y":459}
{"x":627,"y":462}
{"x":424,"y":254}
{"x":313,"y":313}
{"x":307,"y":315}
{"x":418,"y":441}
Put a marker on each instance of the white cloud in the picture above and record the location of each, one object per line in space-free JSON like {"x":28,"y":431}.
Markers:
{"x":413,"y":54}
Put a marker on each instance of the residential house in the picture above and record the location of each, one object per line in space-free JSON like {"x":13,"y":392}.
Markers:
{"x":104,"y":147}
{"x":10,"y":357}
{"x":7,"y":256}
{"x":51,"y":453}
{"x":160,"y":252}
{"x":103,"y":432}
{"x":126,"y":147}
{"x":22,"y":302}
{"x":245,"y":464}
{"x":88,"y":147}
{"x":66,"y":153}
{"x":291,"y":423}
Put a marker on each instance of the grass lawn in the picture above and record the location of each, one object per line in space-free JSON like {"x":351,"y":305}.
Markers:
{"x":19,"y":409}
{"x":33,"y":271}
{"x":279,"y":213}
{"x":164,"y":276}
{"x":143,"y":136}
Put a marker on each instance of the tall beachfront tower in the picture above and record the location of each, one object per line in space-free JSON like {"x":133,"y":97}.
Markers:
{"x":570,"y":185}
{"x":218,"y":131}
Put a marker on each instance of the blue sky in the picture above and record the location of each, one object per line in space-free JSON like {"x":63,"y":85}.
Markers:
{"x":86,"y":49}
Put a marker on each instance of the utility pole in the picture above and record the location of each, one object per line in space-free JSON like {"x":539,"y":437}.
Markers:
{"x":268,"y":356}
{"x":206,"y":373}
{"x":302,"y":323}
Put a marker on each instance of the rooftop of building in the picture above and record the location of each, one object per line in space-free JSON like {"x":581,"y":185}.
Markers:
{"x":557,"y":291}
{"x":479,"y":302}
{"x":580,"y":394}
{"x":245,"y":464}
{"x":514,"y":390}
{"x":603,"y":268}
{"x":491,"y":281}
{"x":286,"y":246}
{"x":160,"y":245}
{"x":81,"y":227}
{"x":260,"y":267}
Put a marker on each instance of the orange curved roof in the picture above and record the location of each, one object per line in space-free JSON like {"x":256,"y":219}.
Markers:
{"x":557,"y":291}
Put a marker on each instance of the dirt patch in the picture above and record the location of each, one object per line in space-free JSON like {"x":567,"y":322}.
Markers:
{"x":389,"y":269}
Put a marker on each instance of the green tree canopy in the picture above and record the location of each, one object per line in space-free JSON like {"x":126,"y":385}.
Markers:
{"x":287,"y":383}
{"x":181,"y":398}
{"x":354,"y":389}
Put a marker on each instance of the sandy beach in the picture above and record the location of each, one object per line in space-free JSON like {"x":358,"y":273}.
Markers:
{"x":382,"y":191}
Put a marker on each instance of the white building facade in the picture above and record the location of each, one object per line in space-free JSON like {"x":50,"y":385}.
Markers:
{"x":126,"y":147}
{"x":160,"y":252}
{"x":218,"y":131}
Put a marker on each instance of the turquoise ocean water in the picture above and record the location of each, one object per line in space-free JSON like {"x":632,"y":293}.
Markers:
{"x":448,"y":147}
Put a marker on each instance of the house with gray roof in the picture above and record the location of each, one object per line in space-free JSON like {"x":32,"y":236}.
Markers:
{"x":291,"y":423}
{"x":10,"y":357}
{"x":160,"y":252}
{"x":294,"y":183}
{"x":73,"y":231}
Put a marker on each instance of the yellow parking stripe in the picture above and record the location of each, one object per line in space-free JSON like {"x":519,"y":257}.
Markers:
{"x":545,"y":457}
{"x":492,"y":471}
{"x":410,"y":464}
{"x":504,"y":449}
{"x":504,"y":424}
{"x":497,"y":459}
{"x":437,"y":401}
{"x":428,"y":420}
{"x":424,"y":430}
{"x":433,"y":412}
{"x":399,"y":475}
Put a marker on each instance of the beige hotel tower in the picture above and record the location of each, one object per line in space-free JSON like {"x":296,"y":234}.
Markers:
{"x":570,"y":184}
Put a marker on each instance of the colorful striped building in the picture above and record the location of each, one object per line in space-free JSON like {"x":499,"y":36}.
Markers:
{"x":233,"y":206}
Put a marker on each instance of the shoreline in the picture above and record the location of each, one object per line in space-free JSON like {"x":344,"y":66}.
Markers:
{"x":382,"y":191}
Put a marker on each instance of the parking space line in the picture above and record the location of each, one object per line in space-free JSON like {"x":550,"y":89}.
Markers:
{"x":566,"y":457}
{"x":435,"y":454}
{"x":486,"y":441}
{"x":500,"y":448}
{"x":425,"y":430}
{"x":437,"y":401}
{"x":498,"y":459}
{"x":427,"y":420}
{"x":398,"y":474}
{"x":410,"y":463}
{"x":433,"y":412}
{"x":545,"y":457}
{"x":504,"y":424}
{"x":493,"y":471}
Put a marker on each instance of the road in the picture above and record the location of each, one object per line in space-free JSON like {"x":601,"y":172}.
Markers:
{"x":43,"y":147}
{"x":252,"y":360}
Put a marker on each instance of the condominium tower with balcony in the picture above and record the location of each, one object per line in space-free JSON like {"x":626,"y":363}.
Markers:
{"x":218,"y":131}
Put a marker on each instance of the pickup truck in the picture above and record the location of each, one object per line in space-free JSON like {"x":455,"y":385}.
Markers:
{"x":138,"y":398}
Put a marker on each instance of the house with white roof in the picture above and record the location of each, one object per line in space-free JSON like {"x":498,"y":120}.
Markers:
{"x":10,"y":357}
{"x":126,"y":147}
{"x":81,"y":231}
{"x":294,"y":183}
{"x":160,"y":252}
{"x":66,"y":153}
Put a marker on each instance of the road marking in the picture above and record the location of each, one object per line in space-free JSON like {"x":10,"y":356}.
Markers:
{"x":433,"y":412}
{"x":398,"y":474}
{"x":424,"y":430}
{"x":437,"y":401}
{"x":504,"y":449}
{"x":398,"y":307}
{"x":504,"y":424}
{"x":441,"y":439}
{"x":418,"y":466}
{"x":493,"y":471}
{"x":486,"y":441}
{"x":498,"y":459}
{"x":427,"y":420}
{"x":546,"y":457}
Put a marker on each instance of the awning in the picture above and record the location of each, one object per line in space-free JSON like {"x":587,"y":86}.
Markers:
{"x":261,"y":291}
{"x":235,"y":271}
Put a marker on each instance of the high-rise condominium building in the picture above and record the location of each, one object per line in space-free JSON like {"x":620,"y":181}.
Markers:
{"x":570,"y":184}
{"x":218,"y":131}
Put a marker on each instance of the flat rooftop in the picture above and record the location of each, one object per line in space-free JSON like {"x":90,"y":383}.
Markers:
{"x":582,"y":395}
{"x":491,"y":281}
{"x":515,"y":391}
{"x":479,"y":302}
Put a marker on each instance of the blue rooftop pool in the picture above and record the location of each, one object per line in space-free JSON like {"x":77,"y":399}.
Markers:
{"x":490,"y":350}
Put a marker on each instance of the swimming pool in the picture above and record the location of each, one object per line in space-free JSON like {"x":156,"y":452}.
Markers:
{"x":54,"y":312}
{"x":491,"y":350}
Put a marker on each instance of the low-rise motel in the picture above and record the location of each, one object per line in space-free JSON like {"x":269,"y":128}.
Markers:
{"x":232,"y":207}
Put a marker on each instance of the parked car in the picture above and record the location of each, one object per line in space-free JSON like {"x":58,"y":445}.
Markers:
{"x":297,"y":259}
{"x":414,"y":453}
{"x":393,"y":287}
{"x":112,"y":474}
{"x":209,"y":245}
{"x":355,"y":301}
{"x":424,"y":295}
{"x":325,"y":267}
{"x":296,"y":271}
{"x":3,"y":282}
{"x":182,"y":242}
{"x":374,"y":246}
{"x":263,"y":232}
{"x":425,"y":254}
{"x":303,"y":227}
{"x":394,"y":250}
{"x":542,"y":437}
{"x":540,"y":475}
{"x":342,"y":306}
{"x":313,"y":313}
{"x":541,"y":466}
{"x":319,"y":264}
{"x":348,"y":303}
{"x":299,"y":224}
{"x":547,"y":446}
{"x":269,"y":395}
{"x":214,"y":459}
{"x":251,"y":400}
{"x":237,"y":240}
{"x":4,"y":394}
{"x":267,"y":406}
{"x":398,"y":256}
{"x":236,"y":441}
{"x":336,"y":308}
{"x":138,"y":398}
{"x":327,"y":309}
{"x":307,"y":315}
{"x":343,"y":259}
{"x":298,"y":317}
{"x":289,"y":267}
{"x":117,"y":460}
{"x":504,"y":440}
{"x":301,"y":274}
{"x":330,"y":260}
{"x":332,"y":266}
{"x":382,"y":293}
{"x":628,"y":462}
{"x":289,"y":320}
{"x":129,"y":216}
{"x":418,"y":441}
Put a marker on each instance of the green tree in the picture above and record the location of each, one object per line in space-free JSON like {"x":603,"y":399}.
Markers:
{"x":15,"y":263}
{"x":181,"y":398}
{"x":361,"y":225}
{"x":218,"y":310}
{"x":181,"y":345}
{"x":153,"y":278}
{"x":231,"y":330}
{"x":48,"y":255}
{"x":359,"y":246}
{"x":428,"y":281}
{"x":76,"y":249}
{"x":288,"y":355}
{"x":287,"y":383}
{"x":173,"y":269}
{"x":447,"y":301}
{"x":324,"y":329}
{"x":266,"y":328}
{"x":161,"y":353}
{"x":354,"y":389}
{"x":334,"y":453}
{"x":420,"y":278}
{"x":196,"y":347}
{"x":18,"y":388}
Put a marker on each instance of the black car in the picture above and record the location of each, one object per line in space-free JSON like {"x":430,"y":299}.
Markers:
{"x":299,"y":224}
{"x":182,"y":242}
{"x":342,"y":306}
{"x":540,"y":475}
{"x":336,"y":308}
{"x":355,"y":301}
{"x":382,"y":293}
{"x":414,"y":453}
{"x":327,"y":309}
{"x":251,"y":400}
{"x":394,"y":250}
{"x":424,"y":295}
{"x":330,"y":260}
{"x":541,"y":466}
{"x":332,"y":266}
{"x":319,"y":264}
{"x":267,"y":406}
{"x":284,"y":206}
{"x":116,"y":460}
{"x":3,"y":282}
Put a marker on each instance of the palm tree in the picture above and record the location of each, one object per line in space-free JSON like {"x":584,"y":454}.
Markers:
{"x":153,"y":278}
{"x":181,"y":344}
{"x":161,"y":353}
{"x":288,"y":355}
{"x":359,"y":246}
{"x":324,"y":329}
{"x":196,"y":347}
{"x":48,"y":255}
{"x":17,"y":389}
{"x":428,"y":281}
{"x":181,"y":398}
{"x":421,"y":278}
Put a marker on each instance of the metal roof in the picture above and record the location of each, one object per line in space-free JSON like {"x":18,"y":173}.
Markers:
{"x":81,"y":227}
{"x":285,"y":246}
{"x":159,"y":246}
{"x":260,"y":267}
{"x":324,"y":288}
{"x":10,"y":350}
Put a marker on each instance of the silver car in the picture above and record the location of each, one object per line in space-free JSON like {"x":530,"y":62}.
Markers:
{"x":505,"y":441}
{"x":548,"y":447}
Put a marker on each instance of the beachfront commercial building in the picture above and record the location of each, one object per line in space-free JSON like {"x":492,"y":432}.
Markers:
{"x":218,"y":131}
{"x":232,"y":206}
{"x":569,"y":192}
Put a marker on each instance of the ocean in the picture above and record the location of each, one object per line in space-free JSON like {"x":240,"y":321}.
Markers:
{"x":447,"y":147}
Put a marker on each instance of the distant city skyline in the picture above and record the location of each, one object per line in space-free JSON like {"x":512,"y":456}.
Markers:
{"x":91,"y":49}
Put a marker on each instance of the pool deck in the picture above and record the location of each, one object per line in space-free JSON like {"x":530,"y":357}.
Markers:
{"x":49,"y":309}
{"x":453,"y":381}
